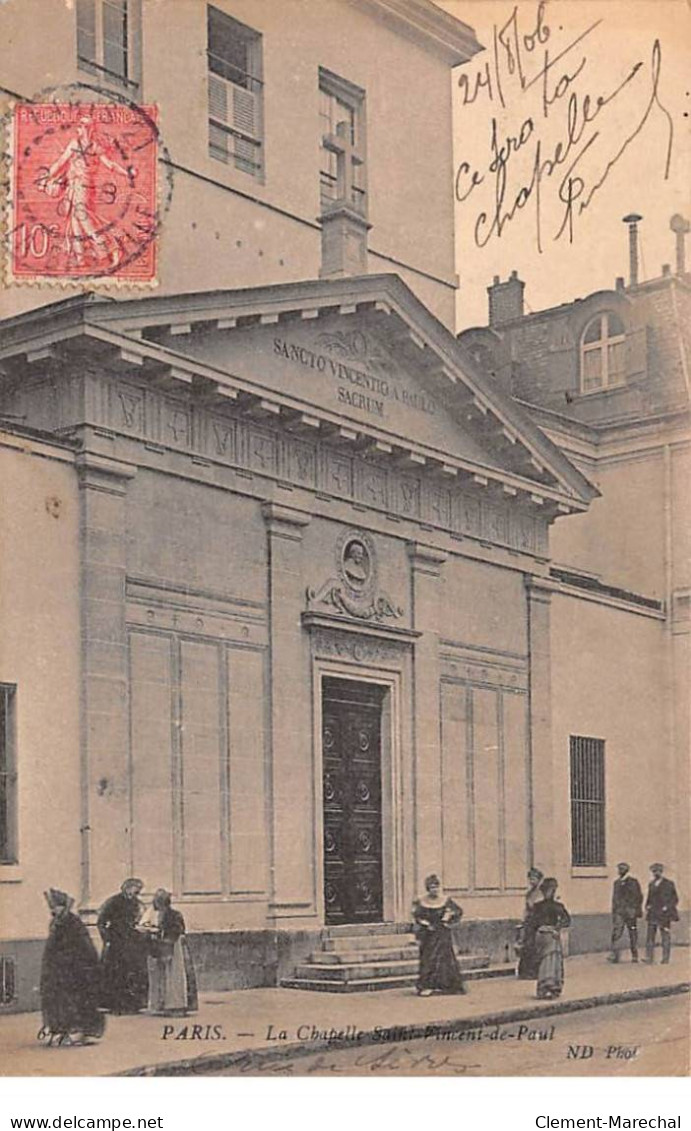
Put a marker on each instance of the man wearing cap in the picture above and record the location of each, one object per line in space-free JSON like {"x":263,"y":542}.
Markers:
{"x":661,"y":909}
{"x":627,"y":908}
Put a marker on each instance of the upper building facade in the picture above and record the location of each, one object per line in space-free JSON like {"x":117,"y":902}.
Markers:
{"x":273,"y":119}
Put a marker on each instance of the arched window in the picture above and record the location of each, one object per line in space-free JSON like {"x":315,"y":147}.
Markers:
{"x":603,"y":353}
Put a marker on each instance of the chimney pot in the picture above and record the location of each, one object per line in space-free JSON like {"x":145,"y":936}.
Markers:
{"x":666,"y":269}
{"x":681,"y":228}
{"x":620,"y":283}
{"x":632,"y":220}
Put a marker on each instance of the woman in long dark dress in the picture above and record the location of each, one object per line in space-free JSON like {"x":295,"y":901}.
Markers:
{"x":549,"y":918}
{"x":172,"y":981}
{"x":125,"y":977}
{"x":434,"y":915}
{"x":70,"y":978}
{"x":525,"y":942}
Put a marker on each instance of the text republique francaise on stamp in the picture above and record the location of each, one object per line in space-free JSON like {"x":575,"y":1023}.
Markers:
{"x":83,"y":199}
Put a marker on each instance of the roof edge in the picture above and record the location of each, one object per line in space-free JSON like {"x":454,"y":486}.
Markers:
{"x":430,"y":26}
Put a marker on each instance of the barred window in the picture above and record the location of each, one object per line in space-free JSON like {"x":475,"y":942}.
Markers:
{"x":235,"y":93}
{"x":587,"y":801}
{"x":108,"y":36}
{"x":8,"y":776}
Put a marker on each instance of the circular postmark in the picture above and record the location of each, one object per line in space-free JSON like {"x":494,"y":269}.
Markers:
{"x":86,"y":200}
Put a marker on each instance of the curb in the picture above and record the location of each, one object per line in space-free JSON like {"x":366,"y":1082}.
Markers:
{"x":251,"y":1058}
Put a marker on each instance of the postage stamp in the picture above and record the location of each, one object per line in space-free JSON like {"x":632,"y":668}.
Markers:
{"x":83,"y":193}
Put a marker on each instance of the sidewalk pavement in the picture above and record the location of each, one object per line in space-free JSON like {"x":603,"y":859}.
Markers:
{"x":230,"y":1024}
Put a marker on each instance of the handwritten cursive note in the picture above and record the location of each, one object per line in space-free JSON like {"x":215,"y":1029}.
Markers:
{"x":555,"y":127}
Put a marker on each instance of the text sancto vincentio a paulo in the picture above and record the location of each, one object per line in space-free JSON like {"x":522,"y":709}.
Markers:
{"x":376,"y":390}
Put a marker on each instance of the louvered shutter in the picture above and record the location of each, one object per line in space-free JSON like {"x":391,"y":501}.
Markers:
{"x":236,"y":108}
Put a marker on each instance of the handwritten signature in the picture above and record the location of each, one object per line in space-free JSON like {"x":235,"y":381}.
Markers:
{"x":519,"y":60}
{"x":393,"y":1061}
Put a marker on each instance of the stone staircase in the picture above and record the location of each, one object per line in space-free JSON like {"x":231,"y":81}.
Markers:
{"x":371,"y":956}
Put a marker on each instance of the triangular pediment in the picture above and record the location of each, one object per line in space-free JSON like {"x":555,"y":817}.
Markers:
{"x":361,"y":354}
{"x":339,"y":366}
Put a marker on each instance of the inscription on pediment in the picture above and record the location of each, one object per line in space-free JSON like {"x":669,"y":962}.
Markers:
{"x":362,"y":376}
{"x":159,"y":419}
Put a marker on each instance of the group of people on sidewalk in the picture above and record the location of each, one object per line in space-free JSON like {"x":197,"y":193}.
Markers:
{"x":541,"y":956}
{"x":145,"y":964}
{"x":539,"y":936}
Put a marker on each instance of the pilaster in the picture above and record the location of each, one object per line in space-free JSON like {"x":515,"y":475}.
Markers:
{"x":104,"y":717}
{"x":426,"y":585}
{"x":292,"y":775}
{"x":540,"y":714}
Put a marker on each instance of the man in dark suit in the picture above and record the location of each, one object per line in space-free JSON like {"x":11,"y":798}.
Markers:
{"x":661,"y":909}
{"x":627,"y":908}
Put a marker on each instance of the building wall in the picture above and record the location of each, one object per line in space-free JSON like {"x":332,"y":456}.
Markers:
{"x":226,"y":228}
{"x":39,"y":652}
{"x":621,"y":538}
{"x":608,"y":682}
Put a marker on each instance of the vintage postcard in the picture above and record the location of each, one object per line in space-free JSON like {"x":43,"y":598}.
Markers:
{"x":344,"y":538}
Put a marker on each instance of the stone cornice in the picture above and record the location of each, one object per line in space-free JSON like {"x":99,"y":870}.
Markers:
{"x":428,"y":25}
{"x":377,"y":631}
{"x":285,"y":522}
{"x":102,"y":474}
{"x":443,"y":364}
{"x":542,"y":589}
{"x":426,"y":559}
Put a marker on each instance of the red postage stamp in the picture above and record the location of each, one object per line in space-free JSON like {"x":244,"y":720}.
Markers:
{"x":83,"y":199}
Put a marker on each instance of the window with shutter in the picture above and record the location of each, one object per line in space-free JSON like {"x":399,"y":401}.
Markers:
{"x":108,"y":38}
{"x":587,"y":801}
{"x":235,"y":93}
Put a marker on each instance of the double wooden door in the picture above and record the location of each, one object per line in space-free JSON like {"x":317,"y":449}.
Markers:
{"x":352,"y":785}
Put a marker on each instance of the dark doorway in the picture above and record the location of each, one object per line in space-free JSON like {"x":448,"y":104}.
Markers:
{"x":351,"y":746}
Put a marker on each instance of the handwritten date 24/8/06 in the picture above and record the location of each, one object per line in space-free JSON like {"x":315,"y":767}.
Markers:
{"x":568,"y":142}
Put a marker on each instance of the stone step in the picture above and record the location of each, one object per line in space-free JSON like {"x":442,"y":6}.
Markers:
{"x":367,"y":942}
{"x":389,"y":982}
{"x":357,"y":985}
{"x":370,"y":954}
{"x":359,"y":971}
{"x":366,"y":929}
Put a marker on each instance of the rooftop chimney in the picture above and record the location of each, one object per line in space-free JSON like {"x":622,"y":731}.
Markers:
{"x":343,"y":223}
{"x":632,"y":220}
{"x":505,"y":300}
{"x":681,"y":228}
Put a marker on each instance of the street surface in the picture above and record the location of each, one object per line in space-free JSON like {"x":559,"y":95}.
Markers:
{"x":647,"y":1038}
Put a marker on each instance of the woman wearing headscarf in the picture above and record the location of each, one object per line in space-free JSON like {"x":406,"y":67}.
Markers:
{"x":434,"y":914}
{"x":172,"y":981}
{"x":70,"y":978}
{"x":548,"y":919}
{"x":125,"y":978}
{"x":525,"y":942}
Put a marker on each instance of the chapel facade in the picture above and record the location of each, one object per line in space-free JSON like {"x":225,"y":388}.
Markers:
{"x":284,"y":627}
